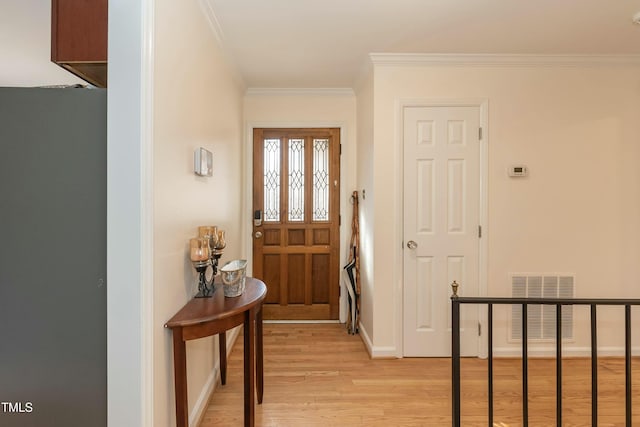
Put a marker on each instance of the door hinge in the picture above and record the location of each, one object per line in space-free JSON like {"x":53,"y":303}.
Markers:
{"x":341,"y":149}
{"x":479,"y":232}
{"x":339,"y":220}
{"x":479,"y":133}
{"x":479,"y":329}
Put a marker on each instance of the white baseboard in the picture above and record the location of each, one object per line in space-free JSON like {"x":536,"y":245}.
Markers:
{"x":199,"y":409}
{"x":566,"y":351}
{"x":378,"y":352}
{"x":365,"y":338}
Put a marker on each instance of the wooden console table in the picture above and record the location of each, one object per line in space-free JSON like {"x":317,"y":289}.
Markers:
{"x":203,"y":317}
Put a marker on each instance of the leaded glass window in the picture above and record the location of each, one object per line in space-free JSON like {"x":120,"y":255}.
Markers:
{"x":272,"y":180}
{"x":296,"y":180}
{"x":320,"y":179}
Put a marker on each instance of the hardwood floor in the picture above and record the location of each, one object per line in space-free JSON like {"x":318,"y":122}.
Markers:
{"x":318,"y":375}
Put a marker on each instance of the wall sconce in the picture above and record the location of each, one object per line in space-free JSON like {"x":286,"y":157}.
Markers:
{"x":203,"y":162}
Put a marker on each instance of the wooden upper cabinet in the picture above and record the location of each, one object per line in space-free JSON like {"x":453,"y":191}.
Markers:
{"x":79,"y":38}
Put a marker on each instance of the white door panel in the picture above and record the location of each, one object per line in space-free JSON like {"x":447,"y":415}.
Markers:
{"x":441,"y":215}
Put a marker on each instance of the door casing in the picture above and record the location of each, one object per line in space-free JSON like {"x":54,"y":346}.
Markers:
{"x":483,"y":105}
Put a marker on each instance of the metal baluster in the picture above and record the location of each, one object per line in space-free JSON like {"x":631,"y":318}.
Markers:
{"x":455,"y":356}
{"x":525,"y":369}
{"x":627,"y":361}
{"x":490,"y":373}
{"x":558,"y":365}
{"x":594,"y":366}
{"x":455,"y":361}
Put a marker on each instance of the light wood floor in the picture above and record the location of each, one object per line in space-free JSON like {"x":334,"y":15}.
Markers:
{"x":318,"y":375}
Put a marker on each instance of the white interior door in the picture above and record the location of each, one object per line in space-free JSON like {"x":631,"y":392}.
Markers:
{"x":441,"y":226}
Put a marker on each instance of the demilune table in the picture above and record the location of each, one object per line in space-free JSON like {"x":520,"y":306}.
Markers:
{"x":203,"y":317}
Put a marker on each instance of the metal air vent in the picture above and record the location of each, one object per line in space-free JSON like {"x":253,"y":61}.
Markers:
{"x":541,"y":319}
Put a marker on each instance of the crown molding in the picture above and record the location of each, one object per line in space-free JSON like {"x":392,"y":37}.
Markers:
{"x":447,"y":59}
{"x":267,"y":91}
{"x":212,"y":19}
{"x":207,"y":10}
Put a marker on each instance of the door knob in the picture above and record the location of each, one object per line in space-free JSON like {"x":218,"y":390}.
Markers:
{"x":411,"y":244}
{"x":258,"y":234}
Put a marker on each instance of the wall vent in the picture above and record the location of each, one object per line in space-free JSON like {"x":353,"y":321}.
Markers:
{"x":541,"y":319}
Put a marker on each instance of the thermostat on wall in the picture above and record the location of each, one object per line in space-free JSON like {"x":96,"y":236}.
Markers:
{"x":518,"y":170}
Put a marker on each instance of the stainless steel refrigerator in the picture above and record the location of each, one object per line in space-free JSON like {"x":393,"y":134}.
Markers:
{"x":53,"y":257}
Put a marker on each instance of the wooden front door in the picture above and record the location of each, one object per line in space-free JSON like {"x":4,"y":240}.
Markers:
{"x":296,"y":184}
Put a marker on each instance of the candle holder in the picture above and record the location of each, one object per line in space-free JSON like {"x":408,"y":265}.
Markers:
{"x":201,"y":259}
{"x":209,"y":232}
{"x":206,"y":251}
{"x":215,"y":258}
{"x":220,"y":240}
{"x":205,"y":287}
{"x":217,"y":245}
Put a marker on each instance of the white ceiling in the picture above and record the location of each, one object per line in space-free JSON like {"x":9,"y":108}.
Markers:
{"x":325,"y":43}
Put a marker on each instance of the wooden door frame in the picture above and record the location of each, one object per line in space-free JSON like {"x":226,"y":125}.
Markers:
{"x":247,"y":204}
{"x":483,"y":106}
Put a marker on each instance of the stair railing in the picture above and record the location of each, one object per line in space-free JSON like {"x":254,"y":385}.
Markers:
{"x":457,"y":301}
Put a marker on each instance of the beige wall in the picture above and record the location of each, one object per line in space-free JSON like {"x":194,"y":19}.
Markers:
{"x":577,"y":130}
{"x":197,"y":103}
{"x":364,"y":167}
{"x":306,"y":108}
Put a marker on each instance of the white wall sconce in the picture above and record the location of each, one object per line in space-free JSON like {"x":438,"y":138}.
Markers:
{"x":203,"y":162}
